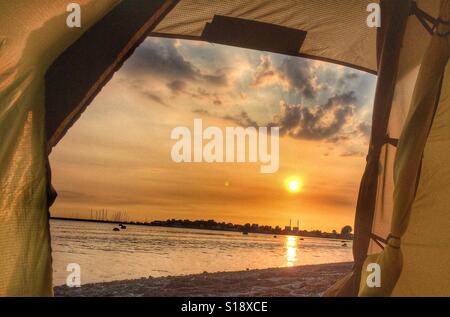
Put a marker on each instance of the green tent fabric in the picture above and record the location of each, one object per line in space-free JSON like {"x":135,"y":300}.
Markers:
{"x":32,"y":35}
{"x":408,"y":160}
{"x":426,"y":241}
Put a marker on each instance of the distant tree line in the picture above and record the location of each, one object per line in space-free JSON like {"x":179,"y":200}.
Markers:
{"x":250,"y":228}
{"x":120,"y":217}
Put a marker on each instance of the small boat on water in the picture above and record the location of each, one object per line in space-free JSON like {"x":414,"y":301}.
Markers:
{"x":245,"y":233}
{"x":122,"y":226}
{"x":344,"y":244}
{"x":116,"y":229}
{"x":301,"y":239}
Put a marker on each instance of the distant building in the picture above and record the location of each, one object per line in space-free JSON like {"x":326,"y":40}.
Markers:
{"x":288,"y":228}
{"x":296,"y":229}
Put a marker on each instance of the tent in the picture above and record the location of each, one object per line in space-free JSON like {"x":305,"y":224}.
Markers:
{"x":49,"y":74}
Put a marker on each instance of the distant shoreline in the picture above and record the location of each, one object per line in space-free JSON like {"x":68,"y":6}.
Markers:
{"x":313,"y":234}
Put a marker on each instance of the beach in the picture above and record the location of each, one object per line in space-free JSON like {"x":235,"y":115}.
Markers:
{"x":308,"y":280}
{"x":142,"y":251}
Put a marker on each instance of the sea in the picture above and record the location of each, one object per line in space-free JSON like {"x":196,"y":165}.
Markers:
{"x":143,"y":251}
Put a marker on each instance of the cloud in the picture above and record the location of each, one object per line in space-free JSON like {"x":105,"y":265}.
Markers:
{"x":299,"y":76}
{"x":140,"y":87}
{"x":243,"y":119}
{"x":218,"y":78}
{"x":177,"y":86}
{"x":364,"y":129}
{"x":210,"y":97}
{"x":154,"y":97}
{"x":161,"y":57}
{"x":264,"y":73}
{"x":318,"y":116}
{"x":346,"y":79}
{"x":293,"y":73}
{"x":317,"y":122}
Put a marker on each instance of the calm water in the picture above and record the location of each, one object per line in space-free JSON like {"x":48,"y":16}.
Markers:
{"x":141,"y":251}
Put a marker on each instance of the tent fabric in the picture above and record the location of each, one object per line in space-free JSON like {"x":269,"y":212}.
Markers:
{"x":426,"y":242}
{"x":32,"y":35}
{"x":408,"y":163}
{"x":389,"y":61}
{"x":336,"y":30}
{"x":415,"y":42}
{"x":78,"y":74}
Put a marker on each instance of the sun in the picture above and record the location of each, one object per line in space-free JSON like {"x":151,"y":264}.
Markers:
{"x":294,"y":184}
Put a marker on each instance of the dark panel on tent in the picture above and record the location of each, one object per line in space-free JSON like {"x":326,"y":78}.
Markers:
{"x":254,"y":35}
{"x":78,"y":74}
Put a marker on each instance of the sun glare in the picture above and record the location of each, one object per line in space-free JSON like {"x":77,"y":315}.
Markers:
{"x":294,"y":184}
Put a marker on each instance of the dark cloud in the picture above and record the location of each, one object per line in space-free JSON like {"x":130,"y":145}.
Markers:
{"x":152,"y":96}
{"x":338,"y":138}
{"x":316,"y":123}
{"x":177,"y":86}
{"x":365,"y":129}
{"x":297,"y":72}
{"x":331,"y":122}
{"x":347,"y":81}
{"x":160,"y":57}
{"x":243,"y":119}
{"x":351,"y":76}
{"x":212,"y":97}
{"x":347,"y":77}
{"x":218,"y":79}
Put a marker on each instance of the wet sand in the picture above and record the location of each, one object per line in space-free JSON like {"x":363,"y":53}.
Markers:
{"x":310,"y":280}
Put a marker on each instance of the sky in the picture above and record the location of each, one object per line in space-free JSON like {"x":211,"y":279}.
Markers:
{"x":118,"y":155}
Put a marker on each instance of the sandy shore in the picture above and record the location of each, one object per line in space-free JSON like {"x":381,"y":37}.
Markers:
{"x":311,"y":280}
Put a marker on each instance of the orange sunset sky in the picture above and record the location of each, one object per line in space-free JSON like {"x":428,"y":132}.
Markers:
{"x":117,"y":156}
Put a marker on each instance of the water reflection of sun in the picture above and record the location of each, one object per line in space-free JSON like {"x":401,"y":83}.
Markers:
{"x":291,"y":250}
